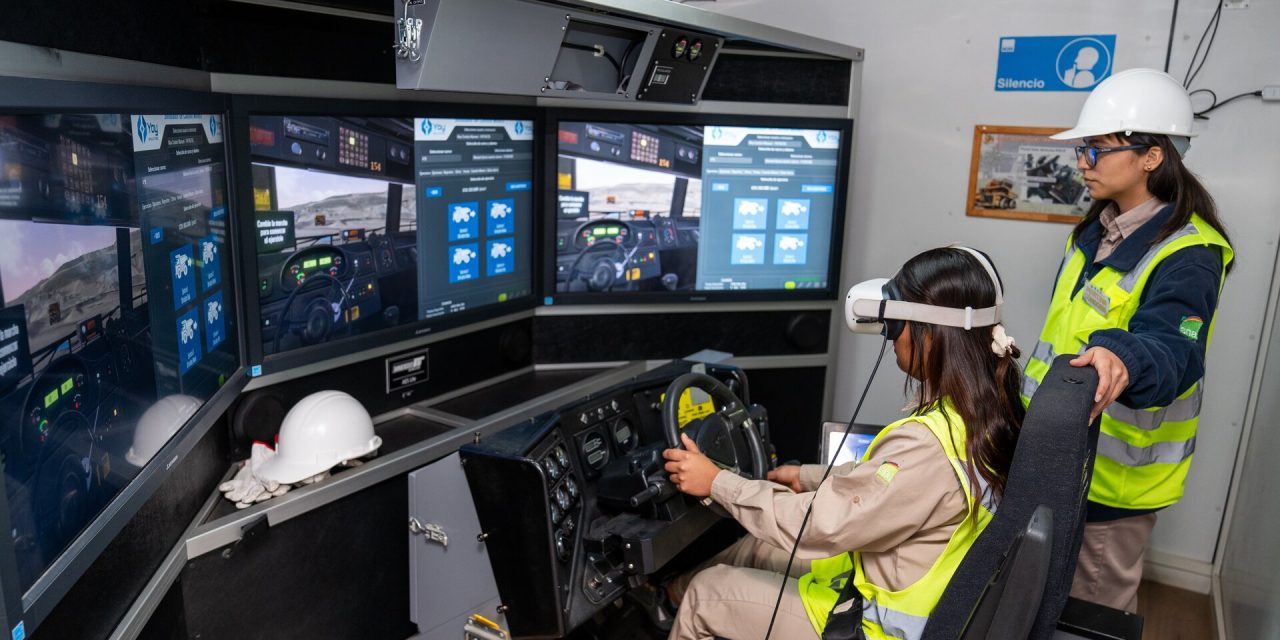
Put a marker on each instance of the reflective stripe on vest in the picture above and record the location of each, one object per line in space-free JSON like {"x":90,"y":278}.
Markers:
{"x":1181,"y":410}
{"x":1143,"y":454}
{"x":1113,"y":448}
{"x":902,"y":614}
{"x":894,"y":624}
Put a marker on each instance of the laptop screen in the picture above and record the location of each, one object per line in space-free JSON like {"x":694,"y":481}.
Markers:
{"x":855,"y":445}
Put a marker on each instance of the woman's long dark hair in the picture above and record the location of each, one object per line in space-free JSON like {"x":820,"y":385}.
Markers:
{"x":959,"y":364}
{"x":1170,"y":182}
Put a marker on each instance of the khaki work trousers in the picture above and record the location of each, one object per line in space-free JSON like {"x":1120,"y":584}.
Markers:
{"x":732,"y":596}
{"x":1109,"y":568}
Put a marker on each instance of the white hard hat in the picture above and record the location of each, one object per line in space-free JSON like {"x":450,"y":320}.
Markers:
{"x":157,"y":424}
{"x":322,"y":431}
{"x":1137,"y":100}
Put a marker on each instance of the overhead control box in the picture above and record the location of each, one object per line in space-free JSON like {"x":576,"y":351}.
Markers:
{"x":518,"y":47}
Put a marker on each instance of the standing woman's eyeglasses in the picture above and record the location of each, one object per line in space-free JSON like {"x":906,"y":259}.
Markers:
{"x":1090,"y":153}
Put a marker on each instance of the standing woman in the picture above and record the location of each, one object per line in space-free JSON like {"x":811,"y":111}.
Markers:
{"x":1134,"y":298}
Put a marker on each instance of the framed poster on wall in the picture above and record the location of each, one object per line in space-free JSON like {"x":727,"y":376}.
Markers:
{"x":1020,"y":173}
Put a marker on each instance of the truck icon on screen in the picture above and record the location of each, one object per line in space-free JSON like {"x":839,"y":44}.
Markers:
{"x":790,"y":243}
{"x":499,"y":250}
{"x":209,"y":251}
{"x":188,"y":329}
{"x":462,"y":214}
{"x":750,"y":208}
{"x":792,"y":208}
{"x":181,"y":265}
{"x":749,"y":243}
{"x":214,"y":311}
{"x":499,"y":210}
{"x":463,"y":255}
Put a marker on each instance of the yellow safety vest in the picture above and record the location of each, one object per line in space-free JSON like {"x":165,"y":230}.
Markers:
{"x":903,"y":614}
{"x":1143,"y":454}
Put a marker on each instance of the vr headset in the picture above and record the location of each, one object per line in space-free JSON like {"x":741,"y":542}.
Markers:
{"x":876,"y":306}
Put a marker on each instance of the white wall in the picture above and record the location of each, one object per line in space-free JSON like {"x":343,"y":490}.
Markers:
{"x":927,"y":80}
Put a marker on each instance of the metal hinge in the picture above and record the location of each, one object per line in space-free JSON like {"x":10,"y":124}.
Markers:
{"x":433,"y":532}
{"x":408,"y":35}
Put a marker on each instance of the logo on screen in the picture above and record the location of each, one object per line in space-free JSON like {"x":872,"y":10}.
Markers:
{"x":146,"y":129}
{"x":213,"y":125}
{"x":427,"y":126}
{"x":822,"y":136}
{"x":519,"y":127}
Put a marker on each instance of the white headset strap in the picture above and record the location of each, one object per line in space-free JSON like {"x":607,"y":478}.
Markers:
{"x":991,"y":271}
{"x":965,"y":318}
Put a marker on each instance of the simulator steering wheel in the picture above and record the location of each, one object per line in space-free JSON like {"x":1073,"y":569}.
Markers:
{"x":603,"y":271}
{"x":728,"y":437}
{"x":318,"y":317}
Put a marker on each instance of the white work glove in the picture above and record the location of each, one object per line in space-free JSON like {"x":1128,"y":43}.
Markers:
{"x":246,"y":487}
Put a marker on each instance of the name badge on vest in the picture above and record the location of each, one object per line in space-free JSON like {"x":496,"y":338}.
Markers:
{"x":1096,"y":299}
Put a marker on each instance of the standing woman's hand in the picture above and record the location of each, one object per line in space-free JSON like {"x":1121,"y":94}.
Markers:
{"x":1113,"y":376}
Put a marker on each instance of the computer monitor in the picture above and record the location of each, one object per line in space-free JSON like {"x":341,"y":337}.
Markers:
{"x":375,"y":222}
{"x":681,"y":207}
{"x":118,"y":318}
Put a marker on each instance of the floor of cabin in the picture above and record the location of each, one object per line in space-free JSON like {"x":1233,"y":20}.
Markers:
{"x":1170,"y":613}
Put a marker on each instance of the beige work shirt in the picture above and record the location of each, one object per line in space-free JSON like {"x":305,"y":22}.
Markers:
{"x":901,"y":526}
{"x":1117,"y":226}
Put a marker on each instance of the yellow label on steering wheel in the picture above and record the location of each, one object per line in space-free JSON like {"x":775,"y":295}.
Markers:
{"x":694,"y":404}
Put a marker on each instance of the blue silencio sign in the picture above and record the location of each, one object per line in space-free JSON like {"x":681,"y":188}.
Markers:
{"x":1054,"y":63}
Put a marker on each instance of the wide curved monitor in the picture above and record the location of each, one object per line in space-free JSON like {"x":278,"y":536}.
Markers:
{"x":374,"y":223}
{"x":118,"y":321}
{"x":695,"y":207}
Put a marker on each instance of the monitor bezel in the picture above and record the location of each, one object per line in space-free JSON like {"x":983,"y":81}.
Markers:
{"x":550,"y":152}
{"x":23,"y":96}
{"x":409,"y":334}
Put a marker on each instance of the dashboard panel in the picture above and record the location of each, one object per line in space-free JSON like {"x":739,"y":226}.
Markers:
{"x":591,"y":523}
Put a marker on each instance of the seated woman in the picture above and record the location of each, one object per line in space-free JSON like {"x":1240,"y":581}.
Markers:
{"x":899,"y":521}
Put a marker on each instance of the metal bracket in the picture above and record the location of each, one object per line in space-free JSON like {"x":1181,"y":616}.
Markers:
{"x":433,"y":532}
{"x":408,"y":36}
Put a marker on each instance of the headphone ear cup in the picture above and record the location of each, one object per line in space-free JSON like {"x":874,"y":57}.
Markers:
{"x":892,"y":328}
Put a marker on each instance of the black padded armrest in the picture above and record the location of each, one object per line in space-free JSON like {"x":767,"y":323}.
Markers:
{"x":1081,"y":619}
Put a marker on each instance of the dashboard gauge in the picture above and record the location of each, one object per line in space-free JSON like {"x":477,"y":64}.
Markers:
{"x":571,"y":487}
{"x":624,"y":434}
{"x":595,"y":451}
{"x":553,"y":469}
{"x":562,"y":498}
{"x":695,"y":50}
{"x":562,"y":457}
{"x":557,"y":514}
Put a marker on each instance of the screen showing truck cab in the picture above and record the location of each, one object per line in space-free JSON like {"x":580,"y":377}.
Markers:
{"x":654,"y":208}
{"x":369,"y":223}
{"x":118,"y":318}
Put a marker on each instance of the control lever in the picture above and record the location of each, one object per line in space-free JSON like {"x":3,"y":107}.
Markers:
{"x":659,"y":489}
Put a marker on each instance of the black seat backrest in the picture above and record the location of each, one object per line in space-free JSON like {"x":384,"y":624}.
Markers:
{"x":1008,"y":607}
{"x":1051,"y":467}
